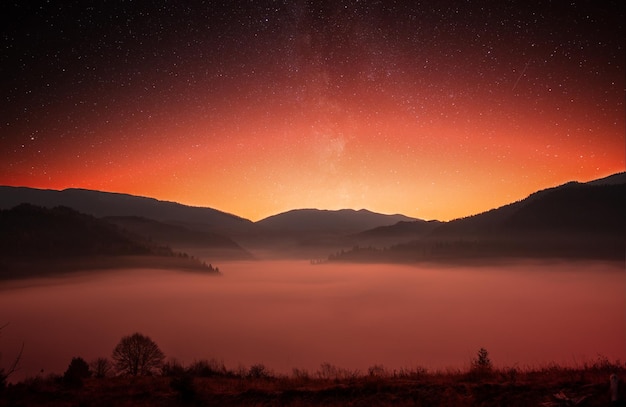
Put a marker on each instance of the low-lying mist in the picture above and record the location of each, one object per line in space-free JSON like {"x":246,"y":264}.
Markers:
{"x":288,"y":314}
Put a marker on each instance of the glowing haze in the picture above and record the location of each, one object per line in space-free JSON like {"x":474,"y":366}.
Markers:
{"x":435,"y":110}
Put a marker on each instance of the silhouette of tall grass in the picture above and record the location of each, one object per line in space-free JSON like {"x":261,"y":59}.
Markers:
{"x":210,"y":382}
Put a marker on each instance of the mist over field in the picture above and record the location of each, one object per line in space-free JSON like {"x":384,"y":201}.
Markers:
{"x":288,"y":314}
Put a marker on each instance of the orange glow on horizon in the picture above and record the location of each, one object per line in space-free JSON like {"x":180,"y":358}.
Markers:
{"x":394,"y":108}
{"x":393,"y":163}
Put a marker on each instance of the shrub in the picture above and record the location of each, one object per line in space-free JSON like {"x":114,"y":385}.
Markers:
{"x":376,"y":371}
{"x":328,"y":371}
{"x":76,"y":372}
{"x":331,"y":372}
{"x":300,"y":374}
{"x":101,"y":367}
{"x":258,"y":371}
{"x":172,"y":368}
{"x":208,"y":368}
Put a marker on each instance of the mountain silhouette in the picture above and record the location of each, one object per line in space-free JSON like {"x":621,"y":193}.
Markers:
{"x":399,"y":232}
{"x":186,"y":227}
{"x":213,"y":245}
{"x":36,"y":241}
{"x":573,"y":208}
{"x":101,"y":204}
{"x":615,"y":179}
{"x":574,"y":220}
{"x":30,"y":231}
{"x":338,"y":221}
{"x":312,"y":233}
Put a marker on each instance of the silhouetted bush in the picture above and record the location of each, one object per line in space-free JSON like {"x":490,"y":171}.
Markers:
{"x":172,"y":368}
{"x":258,"y":371}
{"x":376,"y":371}
{"x":300,"y":374}
{"x":101,"y":367}
{"x":209,"y":368}
{"x":329,"y":371}
{"x":76,"y":372}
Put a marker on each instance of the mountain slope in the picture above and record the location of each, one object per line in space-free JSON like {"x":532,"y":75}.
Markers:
{"x":213,"y":245}
{"x":574,"y":220}
{"x":30,"y":231}
{"x":40,"y":241}
{"x":102,"y":204}
{"x":339,"y":221}
{"x":572,"y":208}
{"x":615,"y":179}
{"x":396,"y":233}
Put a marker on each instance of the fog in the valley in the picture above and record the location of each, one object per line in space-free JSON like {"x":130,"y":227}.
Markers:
{"x":288,"y":314}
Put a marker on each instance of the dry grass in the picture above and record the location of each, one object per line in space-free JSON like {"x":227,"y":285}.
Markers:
{"x":210,"y":383}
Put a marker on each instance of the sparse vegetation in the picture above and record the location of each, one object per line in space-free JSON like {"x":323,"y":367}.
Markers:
{"x":5,"y":373}
{"x":101,"y":367}
{"x":209,"y":382}
{"x":137,"y":374}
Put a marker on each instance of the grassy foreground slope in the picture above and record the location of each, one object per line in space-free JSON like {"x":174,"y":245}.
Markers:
{"x":207,"y":384}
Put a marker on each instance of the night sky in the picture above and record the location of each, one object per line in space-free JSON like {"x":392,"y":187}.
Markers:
{"x":436,"y":110}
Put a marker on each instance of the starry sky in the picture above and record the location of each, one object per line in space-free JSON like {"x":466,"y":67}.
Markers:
{"x":433,"y":109}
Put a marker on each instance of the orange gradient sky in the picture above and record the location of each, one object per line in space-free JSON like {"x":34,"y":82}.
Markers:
{"x":429,"y":112}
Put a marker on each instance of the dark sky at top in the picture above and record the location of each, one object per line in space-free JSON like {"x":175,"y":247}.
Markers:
{"x":172,"y":98}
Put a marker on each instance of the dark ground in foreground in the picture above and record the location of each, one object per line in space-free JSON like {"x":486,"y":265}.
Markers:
{"x":550,"y":386}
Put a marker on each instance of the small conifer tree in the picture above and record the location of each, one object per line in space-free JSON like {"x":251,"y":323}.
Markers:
{"x":482,"y":363}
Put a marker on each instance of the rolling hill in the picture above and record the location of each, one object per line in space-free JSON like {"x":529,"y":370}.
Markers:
{"x":343,"y":221}
{"x":574,"y":220}
{"x":396,"y":233}
{"x":312,"y":233}
{"x":207,"y":232}
{"x":101,"y":204}
{"x":211,"y":245}
{"x":38,"y":241}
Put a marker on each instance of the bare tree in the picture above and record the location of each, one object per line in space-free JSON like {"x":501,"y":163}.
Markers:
{"x":4,"y":374}
{"x":137,"y":354}
{"x":100,"y":367}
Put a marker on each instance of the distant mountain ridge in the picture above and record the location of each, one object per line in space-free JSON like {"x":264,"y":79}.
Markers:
{"x":42,"y":241}
{"x":397,"y":233}
{"x":211,"y":245}
{"x":573,"y":220}
{"x":615,"y":179}
{"x":31,"y":231}
{"x":573,"y":207}
{"x":591,"y":215}
{"x":101,"y":204}
{"x":333,"y":221}
{"x":206,"y":232}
